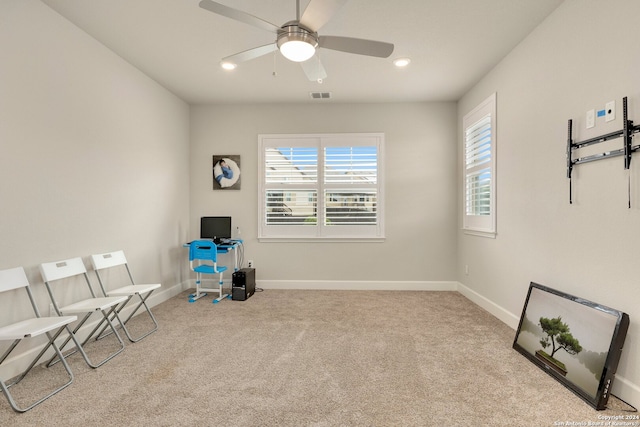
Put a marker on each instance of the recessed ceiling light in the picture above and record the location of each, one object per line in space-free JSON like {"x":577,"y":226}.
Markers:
{"x":401,"y":62}
{"x":228,"y":65}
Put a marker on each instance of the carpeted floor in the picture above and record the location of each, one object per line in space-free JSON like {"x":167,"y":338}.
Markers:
{"x":313,"y":358}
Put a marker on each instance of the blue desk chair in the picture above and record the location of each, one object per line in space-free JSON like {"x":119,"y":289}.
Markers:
{"x":203,"y":259}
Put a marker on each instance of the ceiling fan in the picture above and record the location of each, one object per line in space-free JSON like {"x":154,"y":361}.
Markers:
{"x":298,"y":40}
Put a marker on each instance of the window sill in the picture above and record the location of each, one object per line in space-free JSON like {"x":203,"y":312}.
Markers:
{"x":321,"y":239}
{"x":480,"y":233}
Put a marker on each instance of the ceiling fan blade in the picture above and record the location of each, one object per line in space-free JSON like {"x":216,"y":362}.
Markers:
{"x":359,"y":46}
{"x":313,"y":69}
{"x":238,"y":15}
{"x":319,"y":12}
{"x":251,"y":53}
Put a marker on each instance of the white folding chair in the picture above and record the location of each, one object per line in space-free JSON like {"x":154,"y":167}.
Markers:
{"x":71,"y":269}
{"x":15,"y":278}
{"x":109,"y":261}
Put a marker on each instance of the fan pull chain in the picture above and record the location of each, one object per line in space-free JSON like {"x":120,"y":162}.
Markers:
{"x":275,"y":72}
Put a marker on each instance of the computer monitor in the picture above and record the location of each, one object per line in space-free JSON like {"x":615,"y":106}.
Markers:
{"x":576,"y":341}
{"x":215,"y":227}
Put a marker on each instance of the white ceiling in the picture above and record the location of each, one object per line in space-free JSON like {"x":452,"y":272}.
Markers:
{"x":451,"y":43}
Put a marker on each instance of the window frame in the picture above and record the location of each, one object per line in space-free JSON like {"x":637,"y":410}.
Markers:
{"x":320,"y":232}
{"x":476,"y":224}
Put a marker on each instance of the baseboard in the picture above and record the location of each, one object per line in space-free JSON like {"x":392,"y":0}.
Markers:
{"x":626,"y":390}
{"x":18,"y":362}
{"x":354,"y":285}
{"x":504,"y":315}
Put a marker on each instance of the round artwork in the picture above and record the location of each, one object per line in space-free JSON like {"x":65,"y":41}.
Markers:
{"x":226,"y":172}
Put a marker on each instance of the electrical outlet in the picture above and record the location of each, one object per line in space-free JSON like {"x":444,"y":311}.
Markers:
{"x":466,"y":270}
{"x":250,"y":263}
{"x":610,"y":111}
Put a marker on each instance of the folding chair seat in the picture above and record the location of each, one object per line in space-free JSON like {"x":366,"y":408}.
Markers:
{"x":15,"y":278}
{"x":107,"y":263}
{"x":71,"y":270}
{"x":203,"y":259}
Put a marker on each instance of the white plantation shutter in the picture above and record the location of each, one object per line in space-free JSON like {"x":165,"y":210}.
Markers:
{"x":478,"y":143}
{"x":351,"y":208}
{"x":291,"y":165}
{"x":326,"y":186}
{"x":291,"y":175}
{"x":478,"y":198}
{"x":351,"y":173}
{"x":296,"y":207}
{"x":351,"y":164}
{"x":479,"y":169}
{"x":477,"y":155}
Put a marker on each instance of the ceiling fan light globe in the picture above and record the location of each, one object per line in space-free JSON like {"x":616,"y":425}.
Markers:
{"x":297,"y":50}
{"x":296,"y":43}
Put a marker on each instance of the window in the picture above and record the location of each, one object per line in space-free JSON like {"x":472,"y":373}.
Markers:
{"x":321,"y":187}
{"x":479,"y":181}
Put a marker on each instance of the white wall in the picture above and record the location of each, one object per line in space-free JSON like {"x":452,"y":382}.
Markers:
{"x":584,"y":55}
{"x":93,"y":154}
{"x":420,"y":189}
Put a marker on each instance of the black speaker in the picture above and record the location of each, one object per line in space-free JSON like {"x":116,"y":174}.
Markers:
{"x":244,"y":284}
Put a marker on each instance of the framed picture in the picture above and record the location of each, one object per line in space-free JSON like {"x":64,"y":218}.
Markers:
{"x":226,"y":172}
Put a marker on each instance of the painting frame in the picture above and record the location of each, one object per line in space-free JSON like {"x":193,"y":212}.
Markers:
{"x":226,"y":170}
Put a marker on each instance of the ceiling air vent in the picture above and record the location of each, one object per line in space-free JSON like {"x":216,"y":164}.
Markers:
{"x":320,"y":95}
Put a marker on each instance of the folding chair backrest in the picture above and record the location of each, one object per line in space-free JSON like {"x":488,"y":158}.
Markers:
{"x":52,"y":271}
{"x":203,"y":250}
{"x":13,"y":278}
{"x":62,"y":269}
{"x":108,"y":260}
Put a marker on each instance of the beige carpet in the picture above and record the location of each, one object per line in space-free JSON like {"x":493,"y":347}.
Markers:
{"x":313,"y":358}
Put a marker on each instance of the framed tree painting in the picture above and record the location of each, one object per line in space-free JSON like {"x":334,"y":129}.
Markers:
{"x":226,"y":172}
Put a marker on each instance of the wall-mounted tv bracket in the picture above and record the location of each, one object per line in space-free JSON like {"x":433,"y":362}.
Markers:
{"x":626,"y":133}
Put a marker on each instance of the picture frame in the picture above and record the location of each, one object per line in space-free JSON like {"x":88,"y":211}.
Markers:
{"x":226,"y":172}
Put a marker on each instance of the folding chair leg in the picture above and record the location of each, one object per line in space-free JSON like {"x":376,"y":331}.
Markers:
{"x":79,"y":347}
{"x":71,"y":335}
{"x":143,"y":302}
{"x":102,"y":333}
{"x":5,"y":387}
